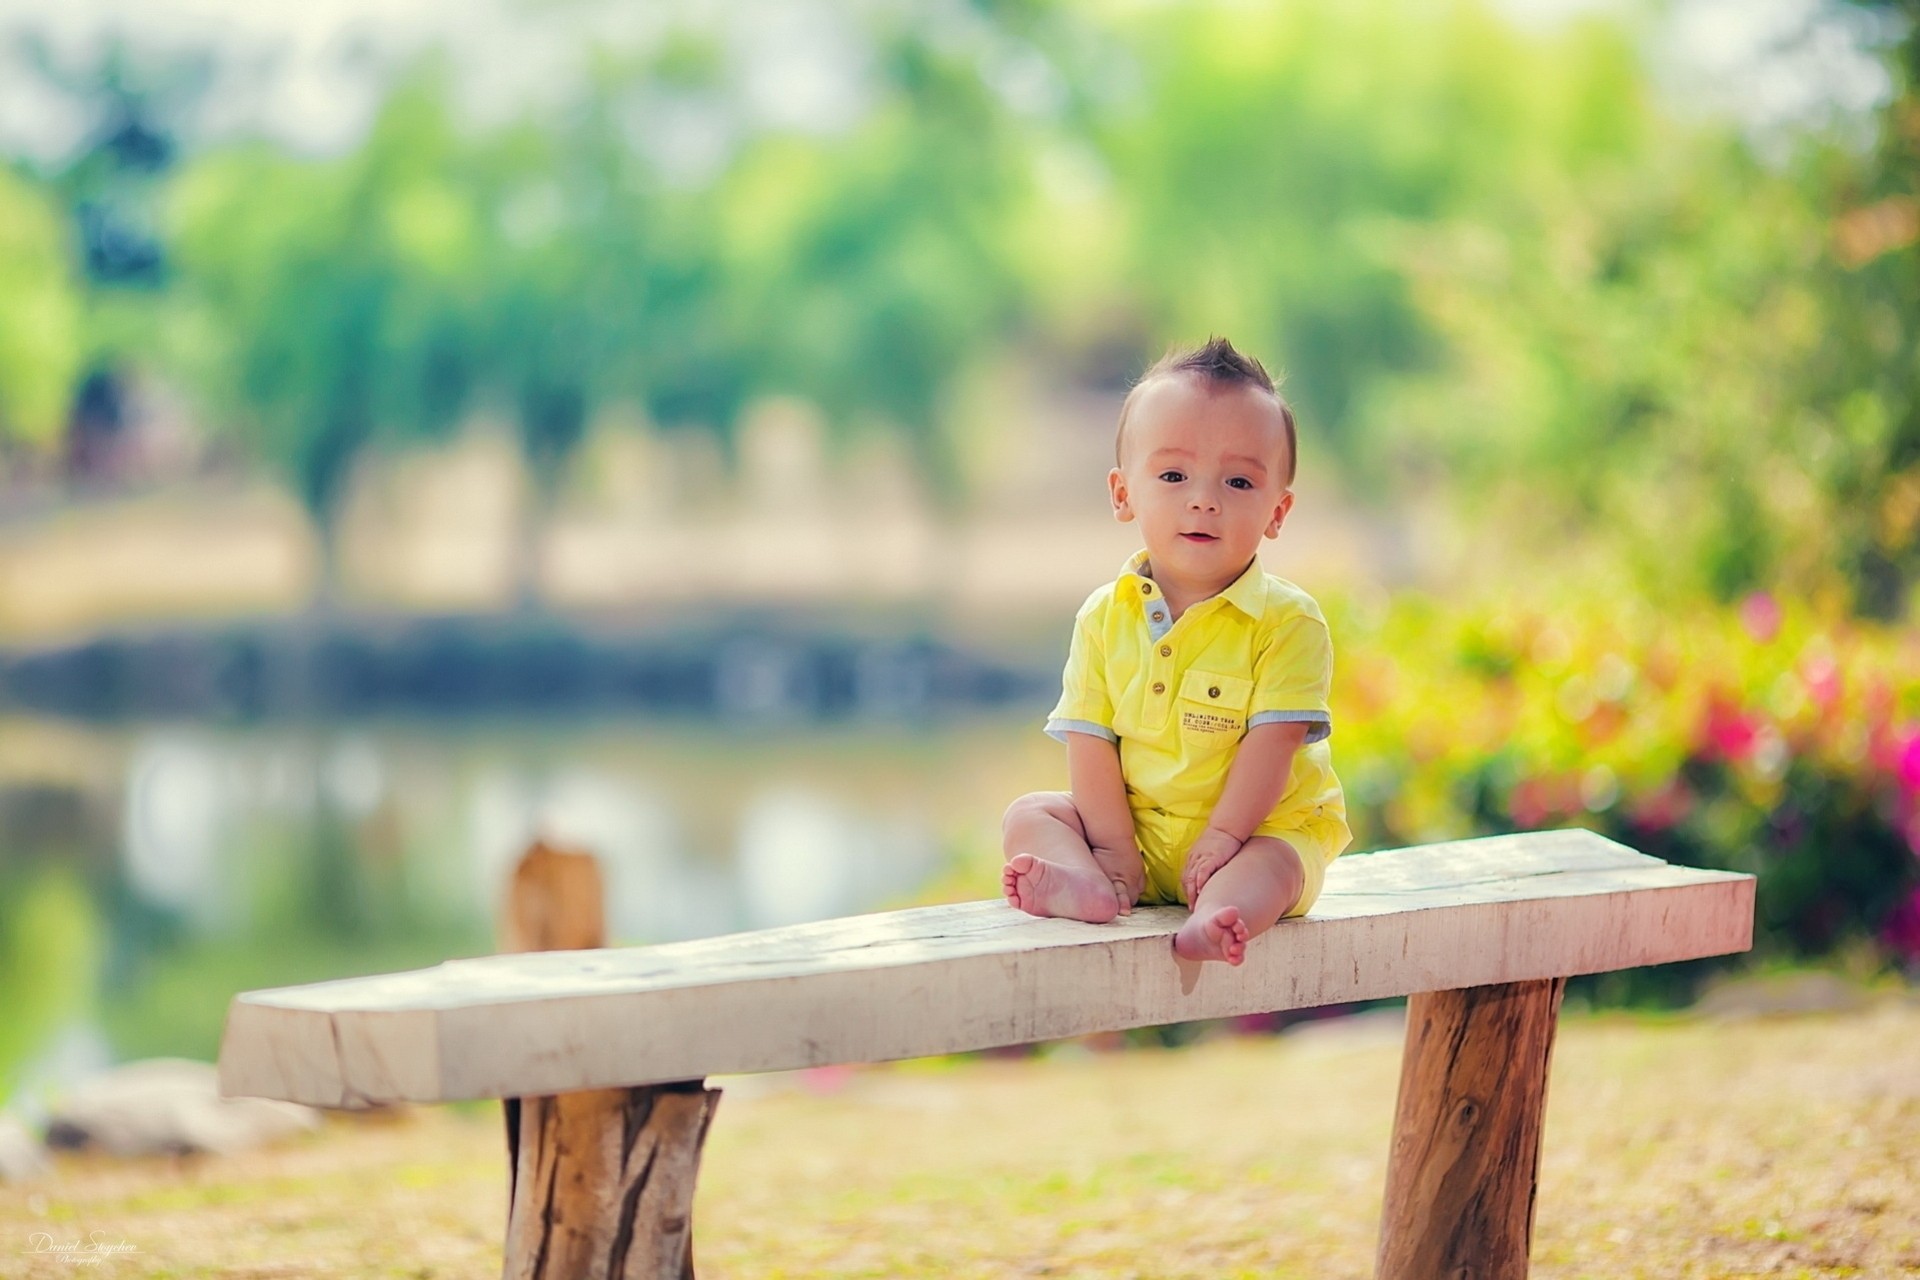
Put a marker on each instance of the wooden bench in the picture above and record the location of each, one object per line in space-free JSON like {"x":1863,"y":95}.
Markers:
{"x":1482,"y":934}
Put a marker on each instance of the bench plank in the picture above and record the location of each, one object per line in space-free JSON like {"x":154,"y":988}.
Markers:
{"x":969,"y":976}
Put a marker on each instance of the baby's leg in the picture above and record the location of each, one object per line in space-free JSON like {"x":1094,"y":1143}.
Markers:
{"x":1242,"y":900}
{"x":1050,"y":869}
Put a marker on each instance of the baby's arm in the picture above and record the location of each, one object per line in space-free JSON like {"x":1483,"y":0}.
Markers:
{"x":1255,"y":782}
{"x":1100,"y":794}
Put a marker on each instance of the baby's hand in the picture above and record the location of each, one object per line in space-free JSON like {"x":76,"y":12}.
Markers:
{"x":1212,"y":851}
{"x":1124,"y":872}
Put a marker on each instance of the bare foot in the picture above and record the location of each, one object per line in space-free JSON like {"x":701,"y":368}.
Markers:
{"x":1220,"y":936}
{"x":1042,"y":888}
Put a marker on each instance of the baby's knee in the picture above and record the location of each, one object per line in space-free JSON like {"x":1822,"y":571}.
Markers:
{"x":1280,"y":860}
{"x":1039,"y":805}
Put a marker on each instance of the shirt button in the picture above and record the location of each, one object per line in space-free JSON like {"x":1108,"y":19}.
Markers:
{"x":1214,"y":692}
{"x":1158,"y":687}
{"x":1146,"y":588}
{"x":1166,"y":651}
{"x":1157,"y":615}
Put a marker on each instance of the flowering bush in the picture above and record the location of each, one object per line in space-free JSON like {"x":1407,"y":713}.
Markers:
{"x":1765,"y":739}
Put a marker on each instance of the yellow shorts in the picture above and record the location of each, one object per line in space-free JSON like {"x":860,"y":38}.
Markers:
{"x":1165,"y":838}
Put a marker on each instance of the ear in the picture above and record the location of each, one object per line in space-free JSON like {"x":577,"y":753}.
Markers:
{"x":1280,"y":513}
{"x":1117,"y":490}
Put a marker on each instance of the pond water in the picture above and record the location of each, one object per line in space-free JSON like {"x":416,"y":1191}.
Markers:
{"x":149,"y":872}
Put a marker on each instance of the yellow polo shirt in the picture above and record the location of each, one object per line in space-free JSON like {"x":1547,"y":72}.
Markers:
{"x":1178,"y":696}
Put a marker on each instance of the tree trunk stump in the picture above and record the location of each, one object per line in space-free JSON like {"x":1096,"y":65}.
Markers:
{"x":1465,"y":1166}
{"x":604,"y":1180}
{"x":600,"y":1181}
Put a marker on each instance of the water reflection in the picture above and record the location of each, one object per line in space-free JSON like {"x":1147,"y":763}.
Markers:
{"x":180,"y":795}
{"x":776,"y":852}
{"x":628,"y":823}
{"x":206,"y":861}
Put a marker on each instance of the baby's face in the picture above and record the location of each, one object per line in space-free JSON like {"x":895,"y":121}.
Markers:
{"x":1204,"y":472}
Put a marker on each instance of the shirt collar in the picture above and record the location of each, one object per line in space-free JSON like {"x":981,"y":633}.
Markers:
{"x":1247,"y":593}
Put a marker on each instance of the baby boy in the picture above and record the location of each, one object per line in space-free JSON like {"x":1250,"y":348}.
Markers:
{"x":1194,"y":702}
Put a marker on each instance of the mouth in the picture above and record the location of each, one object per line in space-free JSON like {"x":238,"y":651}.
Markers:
{"x":1199,"y":537}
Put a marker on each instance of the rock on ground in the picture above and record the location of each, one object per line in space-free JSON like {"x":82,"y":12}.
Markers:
{"x":166,"y":1105}
{"x":20,"y":1152}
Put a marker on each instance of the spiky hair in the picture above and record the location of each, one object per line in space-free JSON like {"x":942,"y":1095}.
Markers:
{"x":1219,"y":365}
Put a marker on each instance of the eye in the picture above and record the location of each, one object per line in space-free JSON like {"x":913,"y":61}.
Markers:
{"x":1241,"y":482}
{"x":1173,"y":477}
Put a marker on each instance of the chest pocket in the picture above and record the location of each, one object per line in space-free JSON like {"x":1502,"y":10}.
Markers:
{"x":1213,"y":709}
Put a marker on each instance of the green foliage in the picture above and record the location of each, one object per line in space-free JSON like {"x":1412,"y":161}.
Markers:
{"x":605,"y":284}
{"x":41,"y":341}
{"x":1622,"y":371}
{"x":1485,"y":254}
{"x":1865,"y":379}
{"x":873,"y":268}
{"x":49,"y":956}
{"x":1264,"y":166}
{"x":1694,"y":361}
{"x":334,"y":298}
{"x":176,"y":1004}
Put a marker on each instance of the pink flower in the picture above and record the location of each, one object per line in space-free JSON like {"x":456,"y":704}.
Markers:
{"x":1668,"y":807}
{"x":1821,"y":675}
{"x":1729,"y":732}
{"x":1907,"y":763}
{"x":826,"y":1080}
{"x":1760,"y":615}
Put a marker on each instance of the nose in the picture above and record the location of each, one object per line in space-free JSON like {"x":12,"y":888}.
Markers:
{"x":1203,"y":500}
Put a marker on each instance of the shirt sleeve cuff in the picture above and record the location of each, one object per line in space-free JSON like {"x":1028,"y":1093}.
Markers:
{"x":1058,"y":729}
{"x":1319,"y":723}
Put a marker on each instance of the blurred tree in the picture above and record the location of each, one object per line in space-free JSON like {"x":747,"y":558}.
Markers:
{"x":335,"y":303}
{"x":1678,"y":353}
{"x":1268,"y":157}
{"x":1867,"y":377}
{"x":131,"y":103}
{"x":41,"y":338}
{"x":1620,"y":354}
{"x":605,"y":284}
{"x":1491,"y":257}
{"x":871,"y":270}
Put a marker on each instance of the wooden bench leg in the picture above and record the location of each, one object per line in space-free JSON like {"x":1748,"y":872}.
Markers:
{"x":601,"y":1182}
{"x":1465,"y":1165}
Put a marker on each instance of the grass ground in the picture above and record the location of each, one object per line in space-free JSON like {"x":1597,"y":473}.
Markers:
{"x":1680,"y":1147}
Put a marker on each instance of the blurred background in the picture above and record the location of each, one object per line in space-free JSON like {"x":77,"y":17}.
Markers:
{"x":679,"y":430}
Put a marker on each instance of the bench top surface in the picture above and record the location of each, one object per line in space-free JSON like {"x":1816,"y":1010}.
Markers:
{"x":966,"y":976}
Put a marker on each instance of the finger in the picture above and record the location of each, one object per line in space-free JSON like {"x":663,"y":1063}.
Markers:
{"x":1201,"y":875}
